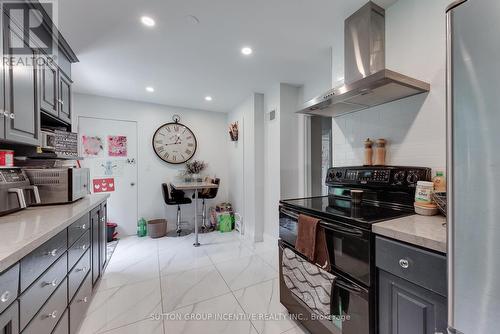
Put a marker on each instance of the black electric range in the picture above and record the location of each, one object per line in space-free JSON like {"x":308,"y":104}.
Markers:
{"x":388,"y":193}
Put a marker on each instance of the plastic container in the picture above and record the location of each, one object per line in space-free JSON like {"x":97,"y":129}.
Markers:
{"x":110,"y":231}
{"x":439,"y":182}
{"x":424,"y":191}
{"x":157,"y":228}
{"x":426,"y":209}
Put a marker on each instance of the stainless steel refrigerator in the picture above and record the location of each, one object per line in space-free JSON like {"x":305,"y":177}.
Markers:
{"x":473,"y":37}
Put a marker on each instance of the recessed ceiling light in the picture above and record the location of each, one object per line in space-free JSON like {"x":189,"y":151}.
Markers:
{"x":208,"y":98}
{"x":246,"y":51}
{"x":150,"y":89}
{"x":147,"y":21}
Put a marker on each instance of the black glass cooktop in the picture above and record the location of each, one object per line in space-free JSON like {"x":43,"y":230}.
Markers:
{"x":335,"y":207}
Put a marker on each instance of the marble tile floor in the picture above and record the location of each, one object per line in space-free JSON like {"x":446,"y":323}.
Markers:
{"x":167,"y":286}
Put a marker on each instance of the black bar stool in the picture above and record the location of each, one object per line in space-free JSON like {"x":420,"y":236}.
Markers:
{"x":204,"y":194}
{"x":176,"y":197}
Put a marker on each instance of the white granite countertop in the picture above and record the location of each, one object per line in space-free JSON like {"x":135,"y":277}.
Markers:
{"x":23,"y":231}
{"x":423,"y":231}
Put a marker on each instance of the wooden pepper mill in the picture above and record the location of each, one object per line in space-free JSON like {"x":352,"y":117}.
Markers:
{"x":380,"y":152}
{"x":368,"y":152}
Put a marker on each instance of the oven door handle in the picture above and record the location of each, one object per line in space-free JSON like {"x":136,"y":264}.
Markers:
{"x":345,"y":230}
{"x":346,"y":286}
{"x":289,"y":213}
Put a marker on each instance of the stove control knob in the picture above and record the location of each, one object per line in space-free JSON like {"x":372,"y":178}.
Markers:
{"x":412,"y":178}
{"x":338,"y":174}
{"x":399,"y":177}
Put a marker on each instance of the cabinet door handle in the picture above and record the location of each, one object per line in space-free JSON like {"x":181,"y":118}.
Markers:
{"x":84,"y":247}
{"x":84,"y":300}
{"x":51,"y":283}
{"x":81,"y":269}
{"x":83,"y":227}
{"x":52,"y":252}
{"x":52,"y":314}
{"x":404,"y":263}
{"x":5,"y":297}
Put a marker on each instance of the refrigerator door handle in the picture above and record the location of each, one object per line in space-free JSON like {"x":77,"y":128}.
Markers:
{"x":449,"y":163}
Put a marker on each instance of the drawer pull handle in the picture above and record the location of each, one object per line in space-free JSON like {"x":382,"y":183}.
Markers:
{"x":102,"y":220}
{"x":52,"y":315}
{"x":84,"y":300}
{"x":5,"y":296}
{"x":81,"y":269}
{"x":52,"y":283}
{"x":52,"y":252}
{"x":83,"y":227}
{"x":404,"y":263}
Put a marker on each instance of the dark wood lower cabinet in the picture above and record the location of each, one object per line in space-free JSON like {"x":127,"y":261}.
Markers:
{"x":406,"y":308}
{"x":411,"y":289}
{"x":49,"y":290}
{"x":94,"y":225}
{"x":9,"y":320}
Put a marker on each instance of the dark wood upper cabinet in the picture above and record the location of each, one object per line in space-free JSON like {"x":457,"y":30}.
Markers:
{"x":49,"y":87}
{"x":21,"y":97}
{"x":65,"y":97}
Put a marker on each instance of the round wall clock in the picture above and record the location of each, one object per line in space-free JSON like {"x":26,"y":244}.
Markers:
{"x":174,"y":142}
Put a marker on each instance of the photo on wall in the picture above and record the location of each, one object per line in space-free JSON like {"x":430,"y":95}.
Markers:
{"x":117,"y":146}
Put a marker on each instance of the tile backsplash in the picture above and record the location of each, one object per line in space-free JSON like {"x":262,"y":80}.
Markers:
{"x":415,"y":134}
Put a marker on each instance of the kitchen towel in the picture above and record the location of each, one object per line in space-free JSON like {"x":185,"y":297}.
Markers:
{"x":306,"y":236}
{"x":321,"y":255}
{"x":307,"y":282}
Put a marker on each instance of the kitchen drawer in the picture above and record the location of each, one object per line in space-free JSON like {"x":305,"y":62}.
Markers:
{"x":76,"y":229}
{"x":34,"y":264}
{"x":79,"y":305}
{"x":77,"y":274}
{"x":47,"y":318}
{"x":76,"y":251}
{"x":37,"y":294}
{"x":63,"y":325}
{"x":9,"y":285}
{"x":418,"y":266}
{"x":9,"y":320}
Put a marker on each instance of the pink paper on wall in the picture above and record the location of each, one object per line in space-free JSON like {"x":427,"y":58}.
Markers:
{"x":117,"y":146}
{"x":104,"y":185}
{"x":92,"y":146}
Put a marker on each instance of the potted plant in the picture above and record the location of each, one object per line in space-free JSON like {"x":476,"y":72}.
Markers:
{"x":194,"y":169}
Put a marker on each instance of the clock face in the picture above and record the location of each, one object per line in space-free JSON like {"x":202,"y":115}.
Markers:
{"x":174,"y":143}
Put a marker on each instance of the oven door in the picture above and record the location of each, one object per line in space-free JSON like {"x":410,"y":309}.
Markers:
{"x":322,"y":302}
{"x":288,"y":225}
{"x":348,"y":247}
{"x":349,"y":250}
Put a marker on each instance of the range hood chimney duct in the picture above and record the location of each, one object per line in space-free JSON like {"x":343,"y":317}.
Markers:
{"x":367,"y":81}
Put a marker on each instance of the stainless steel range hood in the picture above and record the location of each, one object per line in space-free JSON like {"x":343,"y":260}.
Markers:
{"x":368,"y":82}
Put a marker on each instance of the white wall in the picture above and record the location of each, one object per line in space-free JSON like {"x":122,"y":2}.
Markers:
{"x":415,"y":127}
{"x":284,"y":152}
{"x":247,"y":165}
{"x":209,"y":128}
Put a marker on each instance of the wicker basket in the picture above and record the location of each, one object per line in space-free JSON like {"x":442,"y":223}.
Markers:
{"x":440,"y":200}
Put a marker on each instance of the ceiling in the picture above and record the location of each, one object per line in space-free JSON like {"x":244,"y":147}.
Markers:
{"x":184,"y":61}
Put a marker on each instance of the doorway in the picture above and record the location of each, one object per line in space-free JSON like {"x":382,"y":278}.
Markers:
{"x":109,"y":148}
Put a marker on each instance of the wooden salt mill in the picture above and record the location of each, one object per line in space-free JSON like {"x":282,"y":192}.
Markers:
{"x":368,"y":152}
{"x":380,"y":152}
